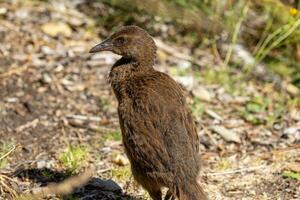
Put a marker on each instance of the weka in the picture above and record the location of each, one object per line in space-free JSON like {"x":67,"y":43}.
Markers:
{"x":158,"y":131}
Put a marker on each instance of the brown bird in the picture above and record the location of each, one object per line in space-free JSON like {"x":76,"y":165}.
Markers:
{"x":158,"y":131}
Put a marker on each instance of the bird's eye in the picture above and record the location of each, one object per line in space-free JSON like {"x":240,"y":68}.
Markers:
{"x":119,"y":41}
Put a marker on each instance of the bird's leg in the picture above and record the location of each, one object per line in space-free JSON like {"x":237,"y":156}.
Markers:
{"x":155,"y":195}
{"x":169,"y":195}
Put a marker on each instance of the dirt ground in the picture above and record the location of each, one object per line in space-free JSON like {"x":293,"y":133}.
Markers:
{"x":53,"y":94}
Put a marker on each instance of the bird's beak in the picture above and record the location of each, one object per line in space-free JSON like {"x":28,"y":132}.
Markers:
{"x":106,"y":45}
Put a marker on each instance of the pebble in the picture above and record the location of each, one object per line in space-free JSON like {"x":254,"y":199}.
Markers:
{"x":228,"y":135}
{"x":106,"y":150}
{"x":186,"y":81}
{"x":184,"y":64}
{"x":47,"y":78}
{"x":37,"y":62}
{"x":202,"y":93}
{"x":41,"y":164}
{"x":291,"y":130}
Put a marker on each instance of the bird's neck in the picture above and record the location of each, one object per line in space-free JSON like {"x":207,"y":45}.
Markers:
{"x":145,"y":59}
{"x":124,"y":70}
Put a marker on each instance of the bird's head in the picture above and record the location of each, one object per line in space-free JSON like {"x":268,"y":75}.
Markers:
{"x":130,"y":42}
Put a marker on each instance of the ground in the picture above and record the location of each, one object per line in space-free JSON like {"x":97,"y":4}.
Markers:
{"x":58,"y":115}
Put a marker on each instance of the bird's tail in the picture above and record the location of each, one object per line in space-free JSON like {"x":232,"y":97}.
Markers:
{"x":192,"y":191}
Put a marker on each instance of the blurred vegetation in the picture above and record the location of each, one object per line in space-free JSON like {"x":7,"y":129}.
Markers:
{"x":6,"y":148}
{"x":293,"y":175}
{"x":268,"y":29}
{"x":74,"y":158}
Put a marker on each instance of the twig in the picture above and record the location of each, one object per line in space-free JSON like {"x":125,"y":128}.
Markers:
{"x":249,"y":169}
{"x":84,"y":118}
{"x":103,"y":170}
{"x":235,"y":34}
{"x":213,"y":114}
{"x":4,"y":185}
{"x":63,"y":188}
{"x":28,"y":125}
{"x":9,"y":152}
{"x":88,"y":125}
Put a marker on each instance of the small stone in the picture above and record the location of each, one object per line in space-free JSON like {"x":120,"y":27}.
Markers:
{"x":213,"y":114}
{"x":106,"y":150}
{"x":228,"y":135}
{"x":12,"y":100}
{"x":47,"y":50}
{"x":41,"y":164}
{"x":225,"y":98}
{"x":202,"y":93}
{"x":295,"y":114}
{"x":54,"y":29}
{"x":20,"y":57}
{"x":37,"y":62}
{"x":22,"y":13}
{"x":74,"y":21}
{"x":186,"y":81}
{"x":77,"y":49}
{"x":184,"y":64}
{"x":3,"y":11}
{"x":47,"y":78}
{"x":291,"y":130}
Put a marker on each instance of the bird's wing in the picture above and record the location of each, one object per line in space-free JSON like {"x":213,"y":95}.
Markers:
{"x":161,"y":130}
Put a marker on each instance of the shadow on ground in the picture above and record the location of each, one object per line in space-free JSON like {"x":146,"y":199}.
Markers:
{"x":96,"y":188}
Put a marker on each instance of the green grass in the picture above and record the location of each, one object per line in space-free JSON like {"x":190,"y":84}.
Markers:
{"x":5,"y":149}
{"x":276,"y":38}
{"x":233,"y":83}
{"x":74,"y":158}
{"x":279,"y":30}
{"x":175,"y":71}
{"x":263,"y":110}
{"x":236,"y":32}
{"x":292,"y":175}
{"x":121,"y":173}
{"x":104,"y":104}
{"x":223,"y":164}
{"x":112,"y":136}
{"x":196,"y":107}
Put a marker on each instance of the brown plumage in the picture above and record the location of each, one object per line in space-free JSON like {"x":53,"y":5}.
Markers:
{"x":158,"y":131}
